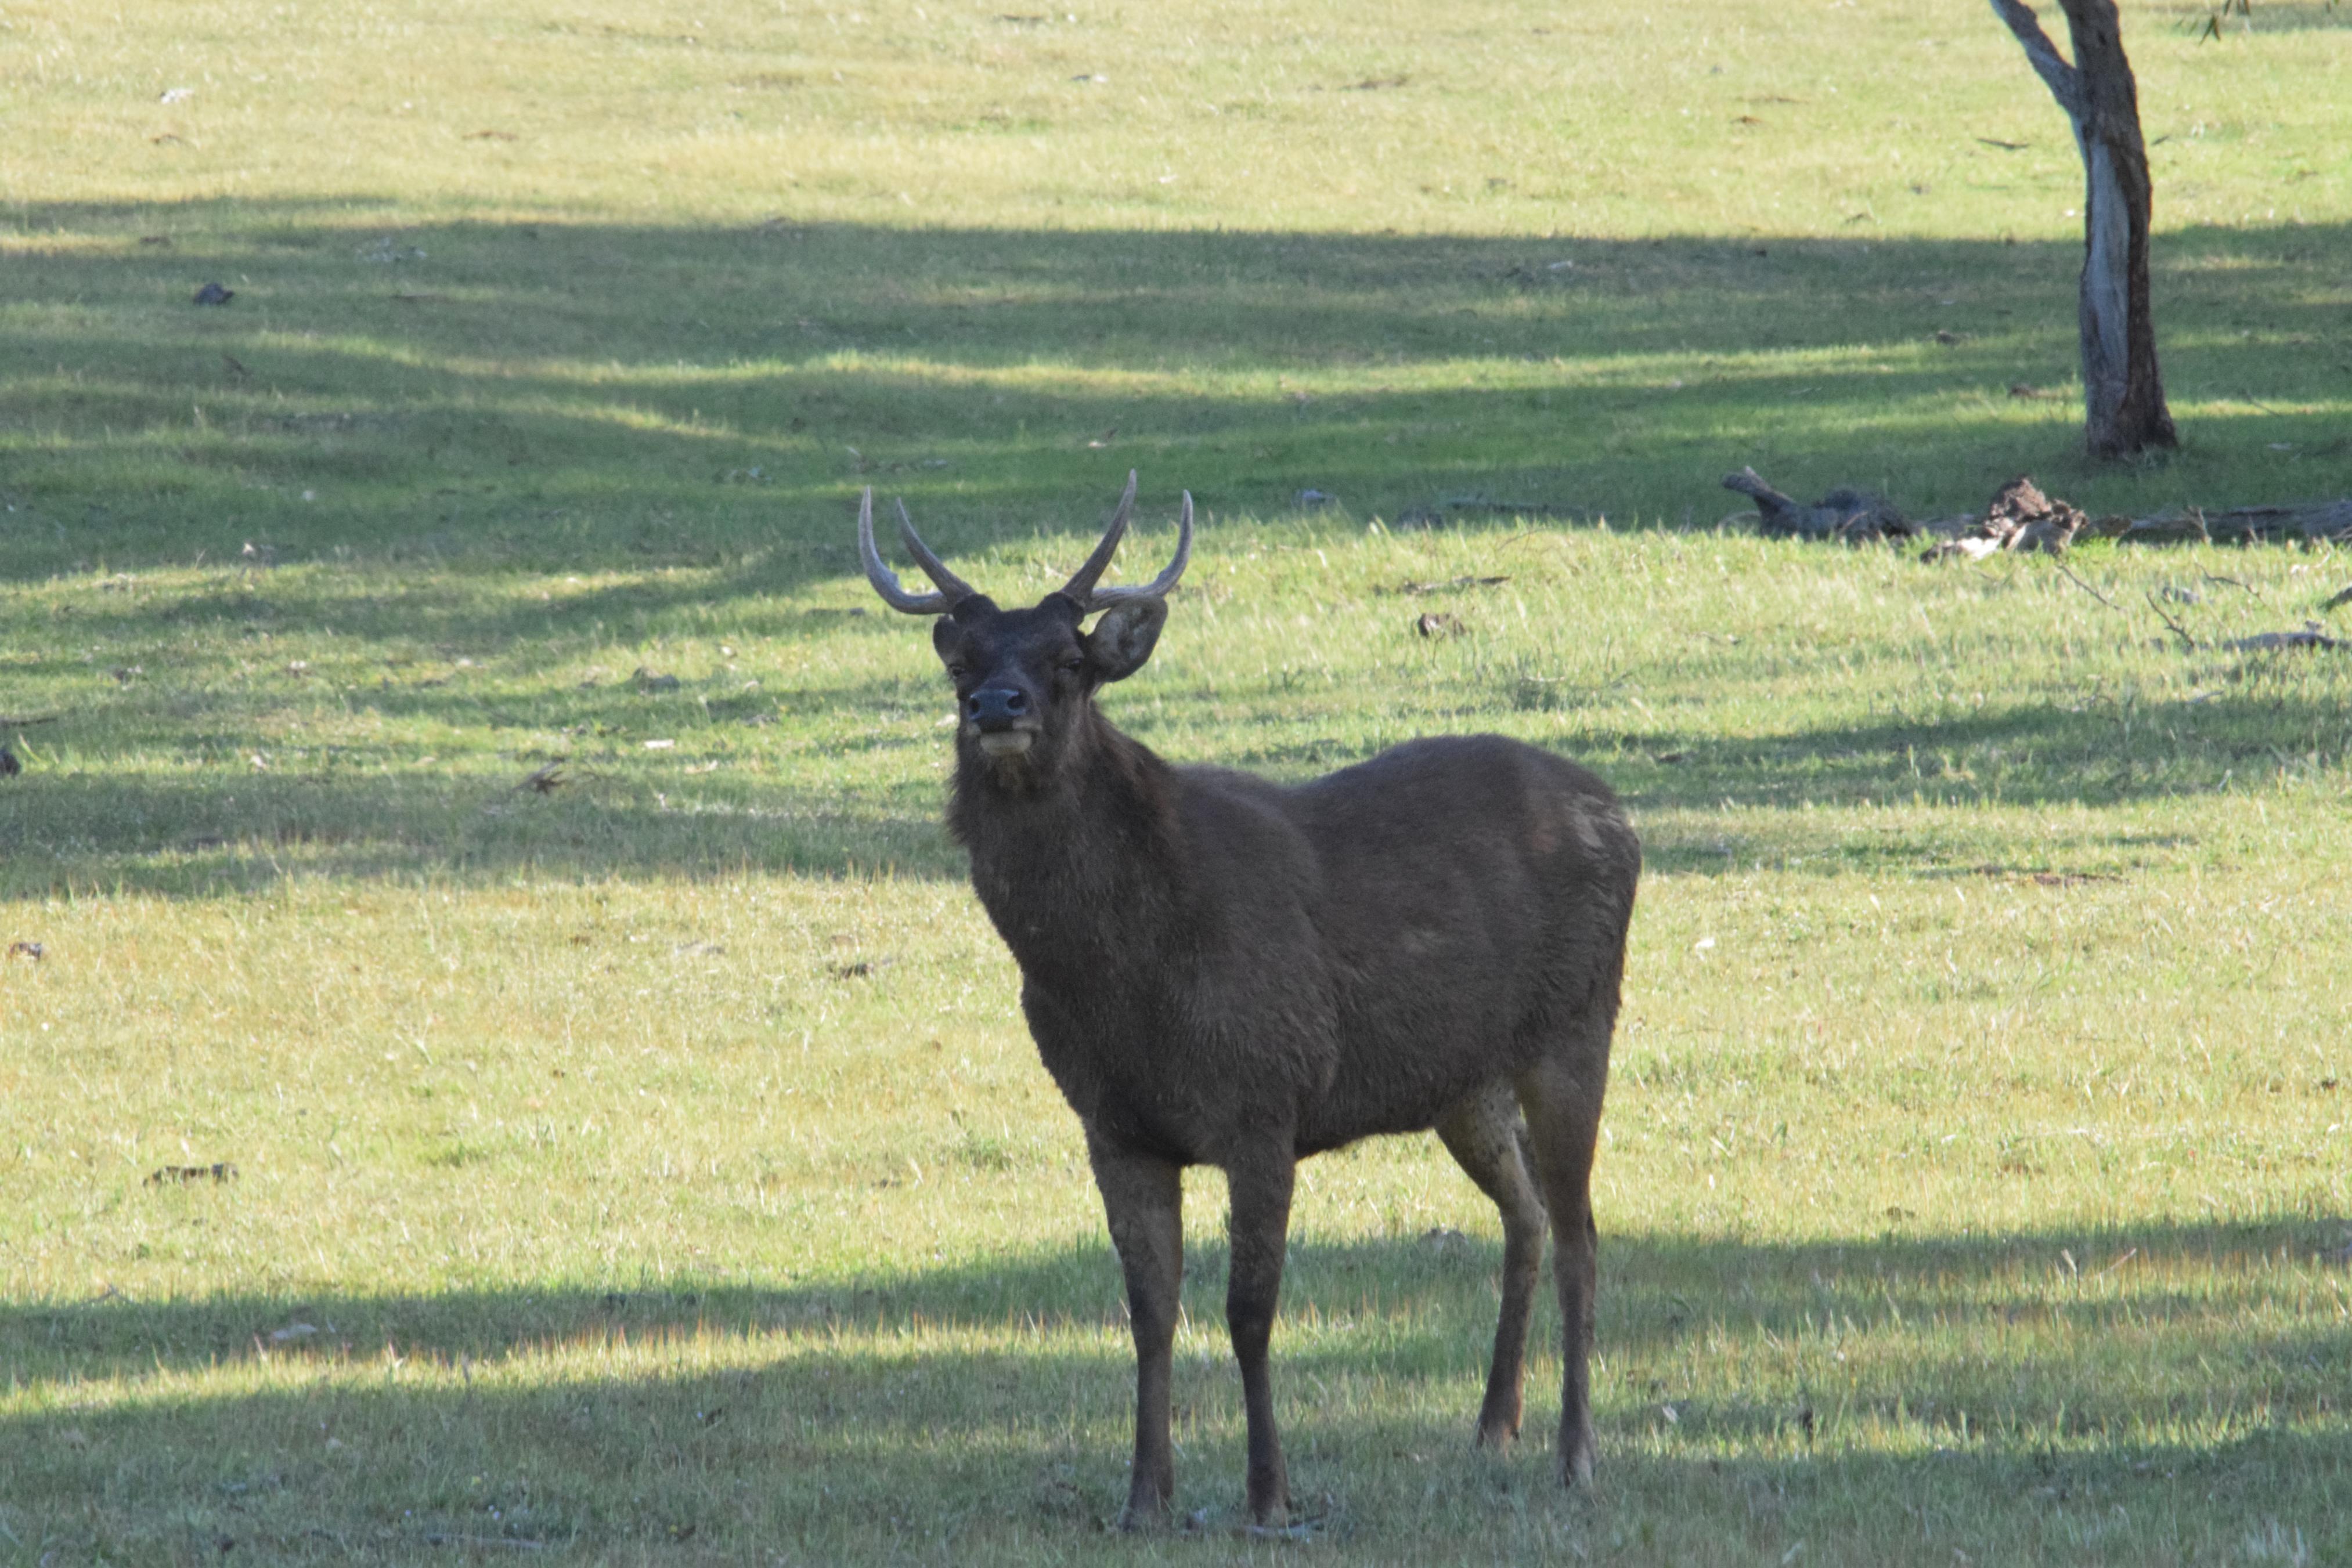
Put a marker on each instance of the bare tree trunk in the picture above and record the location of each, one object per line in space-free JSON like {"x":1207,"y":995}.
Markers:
{"x":2123,"y":390}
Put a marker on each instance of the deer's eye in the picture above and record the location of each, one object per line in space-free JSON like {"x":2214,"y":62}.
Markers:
{"x":957,"y":672}
{"x":1073,"y":664}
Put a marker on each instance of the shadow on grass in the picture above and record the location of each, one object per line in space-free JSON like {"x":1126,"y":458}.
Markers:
{"x":2029,"y":755}
{"x":1981,"y":1373}
{"x":727,"y":797}
{"x":190,"y":835}
{"x":1655,"y":1290}
{"x":694,"y":409}
{"x":466,"y":607}
{"x":564,"y":397}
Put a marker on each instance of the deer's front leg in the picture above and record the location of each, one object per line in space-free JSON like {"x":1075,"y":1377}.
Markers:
{"x":1260,"y":1229}
{"x":1143,"y":1197}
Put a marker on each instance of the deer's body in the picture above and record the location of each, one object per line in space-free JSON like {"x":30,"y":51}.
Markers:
{"x":1219,"y":969}
{"x":1202,"y":951}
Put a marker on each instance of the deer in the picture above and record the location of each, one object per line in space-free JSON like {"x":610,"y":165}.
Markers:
{"x":1221,"y":969}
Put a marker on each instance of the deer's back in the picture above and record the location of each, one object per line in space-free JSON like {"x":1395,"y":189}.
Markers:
{"x":1455,"y":900}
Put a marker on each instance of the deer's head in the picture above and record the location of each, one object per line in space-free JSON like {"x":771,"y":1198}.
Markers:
{"x":1023,"y":677}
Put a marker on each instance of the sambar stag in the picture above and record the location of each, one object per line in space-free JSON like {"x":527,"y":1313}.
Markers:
{"x":1222,"y":970}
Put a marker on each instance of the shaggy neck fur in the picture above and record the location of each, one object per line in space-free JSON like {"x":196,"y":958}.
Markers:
{"x":1075,"y":852}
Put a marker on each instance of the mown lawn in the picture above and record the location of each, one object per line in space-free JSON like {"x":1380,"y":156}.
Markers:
{"x":655,"y":1167}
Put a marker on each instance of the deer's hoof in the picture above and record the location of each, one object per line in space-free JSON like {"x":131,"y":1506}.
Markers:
{"x":1576,"y":1468}
{"x":1271,"y":1513}
{"x":1143,"y":1511}
{"x":1495,"y":1437}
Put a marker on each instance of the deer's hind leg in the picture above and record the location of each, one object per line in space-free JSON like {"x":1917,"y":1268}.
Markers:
{"x":1562,"y":1094}
{"x":1486,"y":1137}
{"x":1259,"y":1228}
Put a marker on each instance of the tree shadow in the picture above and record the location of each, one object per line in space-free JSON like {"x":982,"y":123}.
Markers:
{"x":559,"y":397}
{"x":667,"y":415}
{"x":472,"y":606}
{"x":191,"y":835}
{"x":1658,"y":1289}
{"x":725,"y":795}
{"x":990,"y":1396}
{"x":2028,"y":755}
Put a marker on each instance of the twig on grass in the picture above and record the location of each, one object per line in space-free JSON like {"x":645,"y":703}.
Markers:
{"x":26,"y":723}
{"x":2187,"y":643}
{"x":1412,"y":586}
{"x":2087,"y":587}
{"x":219,"y":1172}
{"x":1482,"y":503}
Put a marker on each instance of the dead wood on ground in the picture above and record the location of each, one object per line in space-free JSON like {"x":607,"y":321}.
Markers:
{"x":1847,"y":516}
{"x":2021,"y":520}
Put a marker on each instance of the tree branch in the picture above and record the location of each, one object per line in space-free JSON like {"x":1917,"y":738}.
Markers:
{"x":2066,"y":83}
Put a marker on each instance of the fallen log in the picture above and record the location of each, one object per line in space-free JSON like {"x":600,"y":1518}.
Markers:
{"x":2021,"y":519}
{"x":1847,"y":516}
{"x":2292,"y":523}
{"x":2313,"y":635}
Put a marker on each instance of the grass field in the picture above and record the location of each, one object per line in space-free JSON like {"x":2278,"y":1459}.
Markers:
{"x":656,"y":1169}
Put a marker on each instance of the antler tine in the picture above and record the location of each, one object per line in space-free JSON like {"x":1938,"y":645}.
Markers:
{"x":1103,"y":597}
{"x":1081,"y":587}
{"x":954,"y":587}
{"x":885,"y":581}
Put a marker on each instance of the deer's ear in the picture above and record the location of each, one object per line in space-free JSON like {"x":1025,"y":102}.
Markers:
{"x":1123,"y":639}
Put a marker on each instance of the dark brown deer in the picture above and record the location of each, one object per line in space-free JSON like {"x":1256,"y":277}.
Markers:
{"x":1222,"y":970}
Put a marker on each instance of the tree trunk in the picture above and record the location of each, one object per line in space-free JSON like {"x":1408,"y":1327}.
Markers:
{"x":2123,"y":389}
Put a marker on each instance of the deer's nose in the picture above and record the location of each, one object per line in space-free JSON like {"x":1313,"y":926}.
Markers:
{"x":997,"y":707}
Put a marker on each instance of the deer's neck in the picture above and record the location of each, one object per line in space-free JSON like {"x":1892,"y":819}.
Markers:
{"x":1078,"y":863}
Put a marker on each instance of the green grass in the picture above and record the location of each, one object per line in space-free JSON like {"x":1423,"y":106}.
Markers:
{"x":656,"y":1168}
{"x":1586,"y":266}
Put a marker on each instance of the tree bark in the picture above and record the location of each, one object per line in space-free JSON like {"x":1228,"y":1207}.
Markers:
{"x":2123,"y":389}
